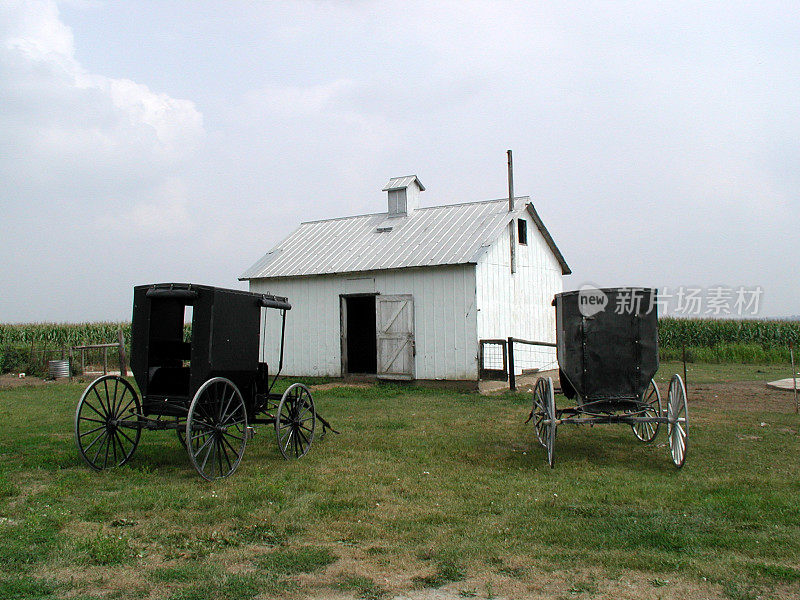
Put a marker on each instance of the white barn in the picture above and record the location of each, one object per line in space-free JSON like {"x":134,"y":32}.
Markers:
{"x":408,"y":293}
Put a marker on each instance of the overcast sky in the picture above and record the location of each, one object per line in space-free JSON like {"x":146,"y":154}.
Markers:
{"x":179,"y":141}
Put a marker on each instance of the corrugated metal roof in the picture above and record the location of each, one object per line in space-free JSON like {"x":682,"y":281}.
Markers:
{"x":398,"y":183}
{"x":439,"y":235}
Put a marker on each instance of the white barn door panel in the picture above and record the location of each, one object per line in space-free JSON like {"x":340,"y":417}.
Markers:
{"x":395,"y":336}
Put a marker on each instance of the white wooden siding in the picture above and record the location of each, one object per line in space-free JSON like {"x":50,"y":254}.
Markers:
{"x":519,"y":305}
{"x":445,"y":320}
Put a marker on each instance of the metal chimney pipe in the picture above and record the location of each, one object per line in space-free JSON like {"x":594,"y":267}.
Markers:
{"x":512,"y":230}
{"x":510,"y":183}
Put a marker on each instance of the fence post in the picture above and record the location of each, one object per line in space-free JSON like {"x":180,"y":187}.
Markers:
{"x":512,"y":379}
{"x":685,"y":379}
{"x":123,"y":366}
{"x":794,"y":375}
{"x":105,"y":360}
{"x":71,"y":357}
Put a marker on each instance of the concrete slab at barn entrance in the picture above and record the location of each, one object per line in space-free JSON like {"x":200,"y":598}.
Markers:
{"x":525,"y":383}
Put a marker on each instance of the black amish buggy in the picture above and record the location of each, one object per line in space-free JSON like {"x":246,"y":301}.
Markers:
{"x":211,"y":389}
{"x":607,"y":356}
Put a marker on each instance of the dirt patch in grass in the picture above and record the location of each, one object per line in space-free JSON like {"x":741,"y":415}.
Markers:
{"x":340,"y":384}
{"x":535,"y":585}
{"x":751,"y":396}
{"x":13,"y":380}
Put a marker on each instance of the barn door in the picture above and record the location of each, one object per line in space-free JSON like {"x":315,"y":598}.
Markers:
{"x":395,"y":336}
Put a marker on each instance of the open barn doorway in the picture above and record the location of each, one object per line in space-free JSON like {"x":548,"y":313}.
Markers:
{"x":359,"y":344}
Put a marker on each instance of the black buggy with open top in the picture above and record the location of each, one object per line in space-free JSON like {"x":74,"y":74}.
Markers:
{"x":211,"y":389}
{"x":607,"y":357}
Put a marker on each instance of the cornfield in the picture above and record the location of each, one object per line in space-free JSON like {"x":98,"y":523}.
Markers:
{"x":28,"y":347}
{"x":61,"y":335}
{"x":709,"y":333}
{"x":705,"y":340}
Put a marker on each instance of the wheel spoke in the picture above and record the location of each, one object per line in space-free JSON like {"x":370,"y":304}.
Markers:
{"x":131,"y":401}
{"x":225,"y":415}
{"x":198,"y":446}
{"x":217,"y":448}
{"x":208,"y":452}
{"x":201,"y":433}
{"x":118,"y":410}
{"x":204,"y":409}
{"x":103,"y":436}
{"x":102,"y":404}
{"x":225,"y":452}
{"x":288,"y":440}
{"x":122,"y":450}
{"x":113,"y":401}
{"x":649,"y":408}
{"x":122,"y":446}
{"x":108,"y":398}
{"x":85,"y":433}
{"x":306,"y":408}
{"x":225,"y":439}
{"x":204,"y":427}
{"x":212,"y":454}
{"x":204,"y":444}
{"x":90,"y":405}
{"x":116,"y":443}
{"x":126,"y":436}
{"x":108,"y":444}
{"x":283,"y":437}
{"x":94,"y":441}
{"x":303,"y":437}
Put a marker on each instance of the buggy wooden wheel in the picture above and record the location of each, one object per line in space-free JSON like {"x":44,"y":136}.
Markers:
{"x":295,"y":422}
{"x":106,"y":409}
{"x":539,"y":410}
{"x":549,"y":423}
{"x":651,"y":408}
{"x":678,"y":421}
{"x":216,"y":428}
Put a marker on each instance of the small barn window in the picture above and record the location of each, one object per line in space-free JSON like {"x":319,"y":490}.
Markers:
{"x":522,"y":231}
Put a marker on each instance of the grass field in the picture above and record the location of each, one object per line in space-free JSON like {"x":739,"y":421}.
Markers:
{"x":423,"y":488}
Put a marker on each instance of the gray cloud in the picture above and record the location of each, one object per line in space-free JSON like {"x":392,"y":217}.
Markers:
{"x":658,"y":141}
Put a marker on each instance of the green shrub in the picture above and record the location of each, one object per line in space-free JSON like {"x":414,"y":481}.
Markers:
{"x":21,"y":359}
